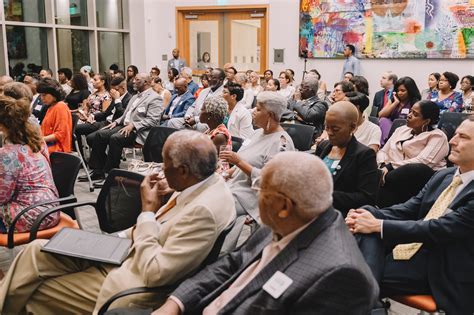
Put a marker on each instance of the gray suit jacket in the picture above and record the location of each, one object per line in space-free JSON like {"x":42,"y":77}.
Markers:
{"x":328,"y":271}
{"x":178,"y":64}
{"x":145,"y":115}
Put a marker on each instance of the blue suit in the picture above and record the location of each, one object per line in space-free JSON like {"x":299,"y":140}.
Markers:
{"x":187,"y":99}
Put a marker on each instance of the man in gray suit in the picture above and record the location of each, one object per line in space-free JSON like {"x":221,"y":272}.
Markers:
{"x":176,"y":62}
{"x":303,"y":262}
{"x":143,"y":112}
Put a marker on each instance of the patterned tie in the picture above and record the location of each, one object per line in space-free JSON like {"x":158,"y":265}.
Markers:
{"x":407,"y":251}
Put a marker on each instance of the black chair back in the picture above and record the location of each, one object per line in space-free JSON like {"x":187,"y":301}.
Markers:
{"x":65,"y":167}
{"x":236,"y":143}
{"x":302,"y":135}
{"x":449,"y":122}
{"x":153,"y":148}
{"x":374,"y":111}
{"x":396,"y":123}
{"x":374,"y":120}
{"x":119,"y":202}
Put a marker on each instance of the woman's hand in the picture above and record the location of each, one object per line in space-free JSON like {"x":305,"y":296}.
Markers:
{"x":230,"y":157}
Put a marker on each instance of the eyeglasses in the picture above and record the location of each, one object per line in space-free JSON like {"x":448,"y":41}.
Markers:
{"x":256,"y":187}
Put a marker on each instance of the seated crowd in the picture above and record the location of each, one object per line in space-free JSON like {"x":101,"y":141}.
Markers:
{"x":381,"y":205}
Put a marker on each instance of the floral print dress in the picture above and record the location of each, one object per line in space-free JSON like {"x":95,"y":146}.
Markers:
{"x":25,"y":179}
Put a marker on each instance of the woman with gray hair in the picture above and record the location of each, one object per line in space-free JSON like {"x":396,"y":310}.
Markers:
{"x":257,"y":150}
{"x":213,"y":113}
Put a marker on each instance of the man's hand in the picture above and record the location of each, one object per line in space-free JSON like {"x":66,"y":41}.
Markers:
{"x":114,"y":93}
{"x":362,"y":221}
{"x":110,"y":126}
{"x":165,"y":117}
{"x":127,"y":130}
{"x":384,"y":173}
{"x":152,"y":190}
{"x":190,"y":121}
{"x":169,"y":308}
{"x":230,"y":157}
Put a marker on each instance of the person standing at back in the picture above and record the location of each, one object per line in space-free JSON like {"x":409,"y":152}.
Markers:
{"x":352,"y":64}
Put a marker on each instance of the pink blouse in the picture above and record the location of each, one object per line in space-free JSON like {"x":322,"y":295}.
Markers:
{"x":430,"y":148}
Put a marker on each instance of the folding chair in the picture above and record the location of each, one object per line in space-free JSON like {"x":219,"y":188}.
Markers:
{"x":236,"y":143}
{"x":75,"y":119}
{"x":396,"y":123}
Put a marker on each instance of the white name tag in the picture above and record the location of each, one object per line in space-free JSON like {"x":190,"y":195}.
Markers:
{"x":141,"y":109}
{"x":38,"y":107}
{"x":277,"y":284}
{"x":335,"y":164}
{"x":246,"y":142}
{"x":405,"y":111}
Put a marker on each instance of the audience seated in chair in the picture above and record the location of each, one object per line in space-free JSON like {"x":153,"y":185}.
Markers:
{"x":167,"y":245}
{"x":239,"y":120}
{"x":405,"y":94}
{"x":310,"y":110}
{"x":256,"y":151}
{"x":213,"y":113}
{"x":412,"y":154}
{"x":433,"y":233}
{"x":57,"y":123}
{"x":178,"y":104}
{"x":367,"y":132}
{"x":303,"y":249}
{"x":445,"y":96}
{"x":382,"y":97}
{"x":79,"y":93}
{"x":353,"y":165}
{"x":191,"y":118}
{"x":25,"y":171}
{"x":187,"y":74}
{"x":143,"y":112}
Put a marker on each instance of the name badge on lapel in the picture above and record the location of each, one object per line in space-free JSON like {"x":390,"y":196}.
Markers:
{"x":277,"y":284}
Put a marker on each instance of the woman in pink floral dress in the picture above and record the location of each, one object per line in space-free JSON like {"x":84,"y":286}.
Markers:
{"x":25,"y":172}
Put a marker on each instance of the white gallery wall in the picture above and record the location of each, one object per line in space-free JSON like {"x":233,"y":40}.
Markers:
{"x":159,"y":37}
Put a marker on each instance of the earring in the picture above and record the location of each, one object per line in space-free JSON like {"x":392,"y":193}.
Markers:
{"x":268,"y":125}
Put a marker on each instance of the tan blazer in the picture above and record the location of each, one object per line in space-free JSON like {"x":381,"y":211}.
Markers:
{"x":187,"y":234}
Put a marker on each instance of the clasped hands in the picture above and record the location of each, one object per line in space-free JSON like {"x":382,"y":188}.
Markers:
{"x":362,"y":221}
{"x":152,"y":190}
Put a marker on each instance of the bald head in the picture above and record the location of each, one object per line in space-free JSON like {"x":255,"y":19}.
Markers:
{"x":181,"y":86}
{"x":311,"y":196}
{"x":345,"y":110}
{"x":194,"y":150}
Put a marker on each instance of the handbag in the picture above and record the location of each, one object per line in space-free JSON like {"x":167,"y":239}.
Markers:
{"x":146,"y":168}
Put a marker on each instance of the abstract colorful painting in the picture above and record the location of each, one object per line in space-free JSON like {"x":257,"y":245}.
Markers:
{"x":387,"y":28}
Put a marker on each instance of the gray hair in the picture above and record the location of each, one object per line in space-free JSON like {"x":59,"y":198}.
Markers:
{"x":187,"y":73}
{"x":308,"y":183}
{"x":273,"y":102}
{"x":241,"y":77}
{"x":216,"y":107}
{"x":17,"y":90}
{"x":313,"y":82}
{"x":194,"y":150}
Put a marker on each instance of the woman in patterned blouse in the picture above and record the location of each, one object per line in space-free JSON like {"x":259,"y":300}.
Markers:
{"x":25,"y":173}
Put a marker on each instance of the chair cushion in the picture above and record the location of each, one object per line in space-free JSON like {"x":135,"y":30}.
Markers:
{"x":23,"y":238}
{"x":420,"y":302}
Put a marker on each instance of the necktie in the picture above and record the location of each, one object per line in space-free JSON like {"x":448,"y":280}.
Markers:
{"x":407,"y":251}
{"x":385,"y":97}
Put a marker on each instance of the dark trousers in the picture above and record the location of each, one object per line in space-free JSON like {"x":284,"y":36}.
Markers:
{"x":99,"y":160}
{"x":395,"y":277}
{"x":403,"y":183}
{"x":86,"y":129}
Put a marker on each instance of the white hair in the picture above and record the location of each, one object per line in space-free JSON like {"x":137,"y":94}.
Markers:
{"x":193,"y":149}
{"x":187,"y":73}
{"x":273,"y":102}
{"x":308,"y":182}
{"x":313,"y":82}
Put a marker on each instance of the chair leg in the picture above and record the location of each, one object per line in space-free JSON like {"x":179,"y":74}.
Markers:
{"x":84,"y":166}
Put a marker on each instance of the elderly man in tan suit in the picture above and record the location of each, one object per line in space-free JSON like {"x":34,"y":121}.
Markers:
{"x":168,"y":245}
